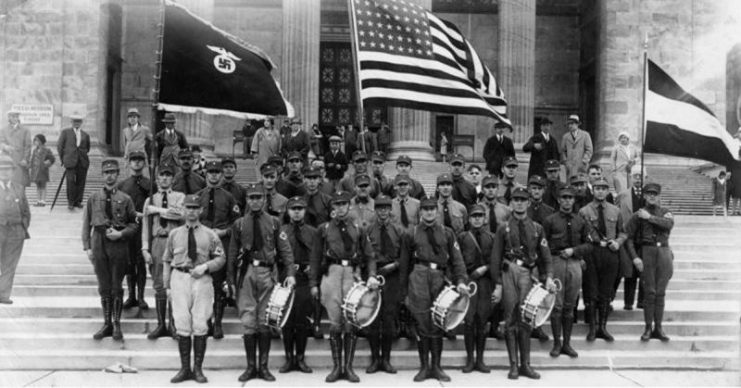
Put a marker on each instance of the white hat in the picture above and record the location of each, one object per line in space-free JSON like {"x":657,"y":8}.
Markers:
{"x":623,"y":133}
{"x":574,"y":118}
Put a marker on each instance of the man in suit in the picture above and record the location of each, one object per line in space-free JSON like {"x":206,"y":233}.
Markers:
{"x":170,"y":142}
{"x":498,"y":148}
{"x":576,"y":148}
{"x":73,"y":146}
{"x":629,"y":202}
{"x":542,"y":147}
{"x":15,"y":141}
{"x":137,"y":137}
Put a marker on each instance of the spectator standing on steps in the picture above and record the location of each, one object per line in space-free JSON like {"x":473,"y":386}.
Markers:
{"x":16,"y":216}
{"x":542,"y":147}
{"x":73,"y":146}
{"x":497,"y":149}
{"x":576,"y":148}
{"x":720,"y":189}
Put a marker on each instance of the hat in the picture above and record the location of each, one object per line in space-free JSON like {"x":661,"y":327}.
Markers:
{"x":378,"y":156}
{"x":457,"y":158}
{"x":296,"y":120}
{"x":191,"y":201}
{"x":573,"y":118}
{"x":75,"y":116}
{"x":404,"y":159}
{"x":254,"y":189}
{"x":340,"y":197}
{"x":275,"y":160}
{"x":567,"y":190}
{"x":402,"y":178}
{"x":358,"y":155}
{"x":296,"y":201}
{"x":520,"y":192}
{"x":552,"y":163}
{"x":228,"y":160}
{"x":267,"y":169}
{"x":489,"y":179}
{"x":312,"y":172}
{"x":362,"y":179}
{"x":477,"y":209}
{"x":6,"y":161}
{"x":294,"y":155}
{"x":335,"y":138}
{"x":137,"y":155}
{"x":133,"y":111}
{"x":536,"y":180}
{"x":163,"y":168}
{"x":444,"y":178}
{"x":545,"y":120}
{"x":578,"y":178}
{"x":652,"y":188}
{"x":13,"y":111}
{"x":214,"y":166}
{"x":601,"y":181}
{"x":502,"y":124}
{"x":382,"y":200}
{"x":169,"y":118}
{"x":109,"y":165}
{"x":427,"y":202}
{"x":185,"y":153}
{"x":510,"y":161}
{"x":623,"y":133}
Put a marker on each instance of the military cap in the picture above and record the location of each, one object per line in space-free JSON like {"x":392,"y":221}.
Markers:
{"x":573,"y":118}
{"x":275,"y":160}
{"x":133,"y":112}
{"x":567,"y":190}
{"x":404,"y":159}
{"x":520,"y":192}
{"x":165,"y":168}
{"x":382,"y":200}
{"x":510,"y":161}
{"x":335,"y":138}
{"x":6,"y":161}
{"x":358,"y":155}
{"x":169,"y":118}
{"x":488,"y":180}
{"x":652,"y":188}
{"x":254,"y":189}
{"x":378,"y":156}
{"x":214,"y":166}
{"x":185,"y":153}
{"x":294,"y":155}
{"x":444,"y":178}
{"x":457,"y":158}
{"x":477,"y":209}
{"x":340,"y":197}
{"x":228,"y":160}
{"x":191,"y":200}
{"x":312,"y":172}
{"x":545,"y":120}
{"x":536,"y":180}
{"x":601,"y":181}
{"x":296,"y":120}
{"x":502,"y":124}
{"x":428,"y":202}
{"x":362,"y":179}
{"x":402,"y":178}
{"x":296,"y":201}
{"x":552,"y":163}
{"x":578,"y":178}
{"x":268,"y":169}
{"x":76,"y":116}
{"x":109,"y":165}
{"x":137,"y":155}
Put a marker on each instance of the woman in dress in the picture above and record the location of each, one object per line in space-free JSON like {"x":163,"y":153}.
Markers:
{"x":623,"y":157}
{"x":265,"y":143}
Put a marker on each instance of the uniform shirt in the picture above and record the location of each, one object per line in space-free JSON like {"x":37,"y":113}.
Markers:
{"x":175,"y":202}
{"x":397,"y":252}
{"x":237,"y":191}
{"x":539,"y":211}
{"x":501,"y":212}
{"x":14,"y":208}
{"x":348,"y":184}
{"x":291,"y":185}
{"x":384,"y":184}
{"x":463,"y":191}
{"x":536,"y":248}
{"x":556,"y":227}
{"x":275,"y":204}
{"x":449,"y":254}
{"x":649,"y":232}
{"x":458,"y":214}
{"x":301,"y":254}
{"x":336,"y":165}
{"x":550,"y":194}
{"x":364,"y":214}
{"x":613,"y":221}
{"x":274,"y":242}
{"x":318,"y":208}
{"x":124,"y":215}
{"x":137,"y":187}
{"x":502,"y":190}
{"x":195,"y":182}
{"x":226,"y":209}
{"x":208,"y":246}
{"x":412,"y":207}
{"x":476,"y":247}
{"x":332,"y":247}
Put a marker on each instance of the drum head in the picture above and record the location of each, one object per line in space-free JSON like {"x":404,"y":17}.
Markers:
{"x":368,"y":308}
{"x":457,"y":312}
{"x":287,"y":308}
{"x":544,"y":309}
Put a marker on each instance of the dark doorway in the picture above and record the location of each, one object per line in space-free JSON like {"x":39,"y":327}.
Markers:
{"x":113,"y":136}
{"x":444,"y":124}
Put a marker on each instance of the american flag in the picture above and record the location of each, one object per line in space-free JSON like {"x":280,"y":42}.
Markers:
{"x":410,"y":58}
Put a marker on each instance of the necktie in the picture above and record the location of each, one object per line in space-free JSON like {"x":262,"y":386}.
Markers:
{"x":492,"y":218}
{"x":269,"y":203}
{"x":404,"y":215}
{"x":77,"y":137}
{"x":192,"y":248}
{"x":387,"y":247}
{"x":601,"y":226}
{"x":477,"y":235}
{"x":256,"y":232}
{"x":187,"y":183}
{"x":508,"y":192}
{"x":569,"y":237}
{"x":430,"y":231}
{"x":523,"y":236}
{"x":108,"y":206}
{"x":573,"y":135}
{"x":446,"y":215}
{"x":303,"y":249}
{"x":346,"y":238}
{"x":163,"y":222}
{"x":211,"y":213}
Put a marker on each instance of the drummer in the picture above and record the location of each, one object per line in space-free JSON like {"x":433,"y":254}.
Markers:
{"x":389,"y":242}
{"x":435,"y":250}
{"x":476,"y":247}
{"x":520,"y":256}
{"x":256,"y":245}
{"x":344,"y":250}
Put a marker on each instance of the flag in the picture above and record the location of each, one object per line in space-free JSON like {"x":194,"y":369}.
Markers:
{"x":410,"y":58}
{"x":679,"y":124}
{"x":206,"y":69}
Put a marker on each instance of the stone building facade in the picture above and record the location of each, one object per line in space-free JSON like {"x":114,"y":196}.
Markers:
{"x":551,"y":57}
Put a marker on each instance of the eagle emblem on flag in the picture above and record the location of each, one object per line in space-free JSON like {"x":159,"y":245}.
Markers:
{"x":224,"y":62}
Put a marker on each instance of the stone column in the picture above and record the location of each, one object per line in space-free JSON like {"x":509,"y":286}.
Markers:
{"x":411,"y":129}
{"x":299,"y":70}
{"x":517,"y":64}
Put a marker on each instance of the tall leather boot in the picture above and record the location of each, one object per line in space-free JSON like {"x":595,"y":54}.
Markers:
{"x":131,"y":285}
{"x":184,"y":344}
{"x":171,"y":326}
{"x":568,"y":323}
{"x":480,"y":347}
{"x":386,"y":354}
{"x":539,"y":334}
{"x":374,"y":342}
{"x":629,"y":292}
{"x":436,"y":371}
{"x":468,"y":341}
{"x":589,"y":313}
{"x":648,"y":318}
{"x":335,"y":345}
{"x":161,"y":329}
{"x":301,"y":336}
{"x":141,"y":282}
{"x":349,"y":342}
{"x":317,"y":325}
{"x":264,"y":345}
{"x":602,"y":332}
{"x":556,"y":328}
{"x":288,"y":343}
{"x":423,"y":347}
{"x":199,"y":353}
{"x":107,"y":329}
{"x":658,"y":332}
{"x":250,"y":349}
{"x":524,"y":343}
{"x":117,"y":307}
{"x":640,"y":304}
{"x":514,"y":372}
{"x":219,"y":305}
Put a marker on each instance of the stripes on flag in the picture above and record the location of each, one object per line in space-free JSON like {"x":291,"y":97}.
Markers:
{"x":410,"y":58}
{"x":679,"y":124}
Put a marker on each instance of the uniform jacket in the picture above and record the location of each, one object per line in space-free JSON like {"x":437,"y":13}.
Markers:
{"x":291,"y":185}
{"x":137,"y":187}
{"x":331,"y":245}
{"x":502,"y":190}
{"x":501,"y":212}
{"x":318,"y":208}
{"x":416,"y":190}
{"x":582,"y":236}
{"x":649,"y":232}
{"x":275,"y":204}
{"x":539,"y":211}
{"x":226,"y":208}
{"x":449,"y":254}
{"x":336,"y":165}
{"x":507,"y":239}
{"x":550,"y":194}
{"x":458,"y":214}
{"x":399,"y":248}
{"x":302,"y":253}
{"x":174,"y":202}
{"x":348,"y":184}
{"x":538,"y":158}
{"x":195,"y":182}
{"x":495,"y":152}
{"x":124,"y":215}
{"x":275,"y":245}
{"x":69,"y":153}
{"x":464,"y":192}
{"x":237,"y":191}
{"x":412,"y":207}
{"x":477,"y":253}
{"x":613,"y":221}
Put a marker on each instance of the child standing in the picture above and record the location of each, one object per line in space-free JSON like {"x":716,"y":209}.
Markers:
{"x":41,"y":159}
{"x":443,"y":146}
{"x":719,"y":193}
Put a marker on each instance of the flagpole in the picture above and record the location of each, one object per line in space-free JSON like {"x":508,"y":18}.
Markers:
{"x":356,"y":62}
{"x":643,"y":112}
{"x":156,"y":93}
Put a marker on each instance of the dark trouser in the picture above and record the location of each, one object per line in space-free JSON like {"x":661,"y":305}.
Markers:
{"x":658,"y":268}
{"x":424,"y":286}
{"x":11,"y":246}
{"x":136,"y":269}
{"x":109,"y":261}
{"x":303,"y":305}
{"x":385,"y":324}
{"x":76,"y":178}
{"x":479,"y":308}
{"x":600,"y":273}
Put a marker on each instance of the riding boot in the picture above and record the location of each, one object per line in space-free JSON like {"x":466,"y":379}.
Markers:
{"x":556,"y":328}
{"x":539,"y":334}
{"x":161,"y":329}
{"x":524,"y":343}
{"x":480,"y":347}
{"x":589,"y":317}
{"x":423,"y":347}
{"x":141,"y":282}
{"x":468,"y":340}
{"x":629,"y":292}
{"x":436,"y":371}
{"x":300,"y":338}
{"x":199,"y":352}
{"x":349,"y":342}
{"x":317,"y":325}
{"x":374,"y":341}
{"x":264,"y":345}
{"x":648,"y":318}
{"x":107,"y":329}
{"x":658,"y":332}
{"x":335,"y":345}
{"x":219,"y":305}
{"x":171,"y":326}
{"x":250,"y":345}
{"x":566,"y":349}
{"x":184,"y":344}
{"x":288,"y":343}
{"x":386,"y":354}
{"x":511,"y":341}
{"x":640,"y":304}
{"x":117,"y":308}
{"x":131,"y":285}
{"x":602,"y":332}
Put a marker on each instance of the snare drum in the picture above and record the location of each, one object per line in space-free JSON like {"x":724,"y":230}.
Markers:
{"x":450,"y":307}
{"x":538,"y":305}
{"x":361,"y":304}
{"x":279,"y":306}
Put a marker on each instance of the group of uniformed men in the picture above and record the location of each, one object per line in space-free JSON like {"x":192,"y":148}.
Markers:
{"x":208,"y":241}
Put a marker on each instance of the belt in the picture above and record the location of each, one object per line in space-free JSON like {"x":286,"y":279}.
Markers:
{"x":301,"y":267}
{"x":183,"y":269}
{"x":379,"y":265}
{"x":655,"y":244}
{"x":258,"y":263}
{"x":342,"y":262}
{"x":522,"y":263}
{"x":432,"y":265}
